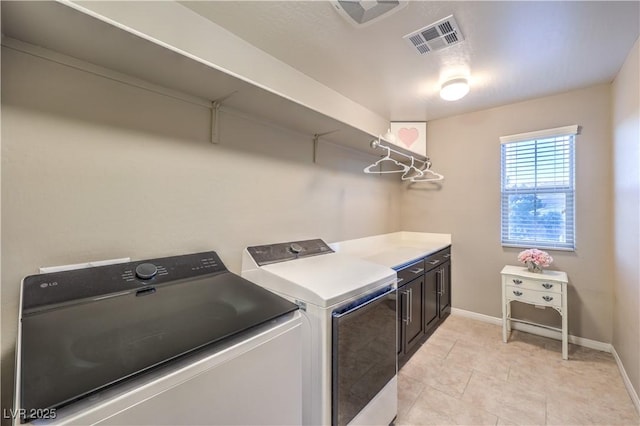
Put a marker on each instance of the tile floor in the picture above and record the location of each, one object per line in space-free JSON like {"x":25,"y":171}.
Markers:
{"x":465,"y":375}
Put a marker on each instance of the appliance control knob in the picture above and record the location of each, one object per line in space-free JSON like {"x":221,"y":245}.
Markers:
{"x":295,"y":248}
{"x":146,"y":271}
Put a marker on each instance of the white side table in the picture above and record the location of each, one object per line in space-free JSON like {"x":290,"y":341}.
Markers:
{"x":548,"y":288}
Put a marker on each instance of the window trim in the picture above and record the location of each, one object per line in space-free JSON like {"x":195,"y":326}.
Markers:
{"x":557,"y":132}
{"x":541,"y":134}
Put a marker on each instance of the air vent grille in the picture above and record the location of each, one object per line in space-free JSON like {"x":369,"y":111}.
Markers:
{"x":430,"y":34}
{"x":451,"y":38}
{"x":436,"y":36}
{"x":416,"y":40}
{"x":445,"y":27}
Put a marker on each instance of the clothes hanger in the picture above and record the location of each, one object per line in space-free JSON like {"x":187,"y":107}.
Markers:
{"x":419,"y":173}
{"x":370,"y":169}
{"x":424,"y":174}
{"x":426,"y":168}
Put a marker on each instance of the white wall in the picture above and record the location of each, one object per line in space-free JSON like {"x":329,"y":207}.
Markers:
{"x":466,"y":149}
{"x":94,"y":169}
{"x":626,"y":217}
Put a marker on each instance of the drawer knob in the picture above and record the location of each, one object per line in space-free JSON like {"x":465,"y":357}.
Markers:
{"x":547,"y":298}
{"x":547,"y":285}
{"x":518,"y":282}
{"x":517,"y":293}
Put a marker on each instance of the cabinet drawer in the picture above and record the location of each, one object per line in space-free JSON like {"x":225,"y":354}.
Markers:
{"x":437,"y":259}
{"x":410,"y":272}
{"x":529,"y":284}
{"x":544,"y":298}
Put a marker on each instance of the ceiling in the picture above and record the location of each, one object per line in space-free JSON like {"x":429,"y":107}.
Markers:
{"x":512,"y":50}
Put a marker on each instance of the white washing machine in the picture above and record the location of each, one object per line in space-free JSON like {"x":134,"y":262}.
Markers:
{"x":349,"y":328}
{"x":169,"y":341}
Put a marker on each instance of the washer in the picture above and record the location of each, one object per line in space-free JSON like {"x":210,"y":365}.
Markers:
{"x":349,"y":330}
{"x":169,"y":341}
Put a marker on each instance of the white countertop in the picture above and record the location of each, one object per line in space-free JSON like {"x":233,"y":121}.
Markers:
{"x":325,"y":280}
{"x":395,"y":249}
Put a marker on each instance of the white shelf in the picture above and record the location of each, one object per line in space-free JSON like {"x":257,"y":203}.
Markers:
{"x":72,"y":36}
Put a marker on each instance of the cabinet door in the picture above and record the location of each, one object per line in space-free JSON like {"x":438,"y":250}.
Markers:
{"x":430,"y":298}
{"x":414,"y":324}
{"x":445,"y":289}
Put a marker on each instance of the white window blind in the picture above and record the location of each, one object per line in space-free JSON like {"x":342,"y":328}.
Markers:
{"x":538,"y":189}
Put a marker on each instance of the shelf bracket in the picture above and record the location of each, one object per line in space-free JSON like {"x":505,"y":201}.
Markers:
{"x":316,"y":139}
{"x":215,"y":114}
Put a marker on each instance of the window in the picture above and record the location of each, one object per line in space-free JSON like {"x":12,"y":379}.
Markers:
{"x":538,"y":191}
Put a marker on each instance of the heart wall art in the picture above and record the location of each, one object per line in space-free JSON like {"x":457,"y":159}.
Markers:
{"x":410,"y":135}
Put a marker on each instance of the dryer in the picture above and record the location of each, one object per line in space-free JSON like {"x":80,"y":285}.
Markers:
{"x":349,"y":329}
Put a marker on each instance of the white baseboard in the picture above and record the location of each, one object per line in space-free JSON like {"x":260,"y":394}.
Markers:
{"x":532,"y":329}
{"x":476,"y":316}
{"x":627,"y":382}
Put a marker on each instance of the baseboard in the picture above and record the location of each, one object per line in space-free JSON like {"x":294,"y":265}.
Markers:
{"x":532,"y":329}
{"x":627,"y":382}
{"x":476,"y":316}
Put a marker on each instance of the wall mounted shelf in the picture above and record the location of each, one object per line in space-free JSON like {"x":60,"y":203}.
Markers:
{"x":61,"y":32}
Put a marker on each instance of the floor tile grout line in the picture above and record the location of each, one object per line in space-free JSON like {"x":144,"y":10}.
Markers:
{"x":415,"y":400}
{"x":546,"y":409}
{"x":451,"y":348}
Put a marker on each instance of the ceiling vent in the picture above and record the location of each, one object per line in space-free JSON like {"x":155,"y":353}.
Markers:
{"x":436,"y":36}
{"x":363,"y":13}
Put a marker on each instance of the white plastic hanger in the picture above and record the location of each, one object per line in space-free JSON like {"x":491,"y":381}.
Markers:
{"x":431,"y":175}
{"x":370,"y":169}
{"x":424,"y":174}
{"x":419,"y":173}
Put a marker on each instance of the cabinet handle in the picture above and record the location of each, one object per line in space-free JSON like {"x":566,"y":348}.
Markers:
{"x":547,"y":298}
{"x":439,"y":285}
{"x":417,"y":270}
{"x":547,"y":285}
{"x":433,"y":262}
{"x":410,"y":304}
{"x":448,"y":255}
{"x":406,"y":294}
{"x":400,"y":280}
{"x":517,"y":282}
{"x":517,"y":293}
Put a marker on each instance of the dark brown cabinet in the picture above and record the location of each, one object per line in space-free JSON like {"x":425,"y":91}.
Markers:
{"x":431,"y":311}
{"x":424,"y":300}
{"x":444,"y":289}
{"x":412,"y":320}
{"x":410,"y":307}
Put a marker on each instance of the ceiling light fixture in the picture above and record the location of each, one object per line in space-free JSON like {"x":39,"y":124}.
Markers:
{"x":454,"y":89}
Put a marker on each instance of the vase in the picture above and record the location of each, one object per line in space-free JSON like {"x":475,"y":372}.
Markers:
{"x":534,"y":267}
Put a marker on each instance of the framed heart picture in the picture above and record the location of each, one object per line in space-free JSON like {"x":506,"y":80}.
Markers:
{"x":410,"y":135}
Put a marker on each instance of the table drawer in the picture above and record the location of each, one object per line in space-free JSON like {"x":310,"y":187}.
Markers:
{"x":529,"y":284}
{"x":410,"y":272}
{"x":544,"y":298}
